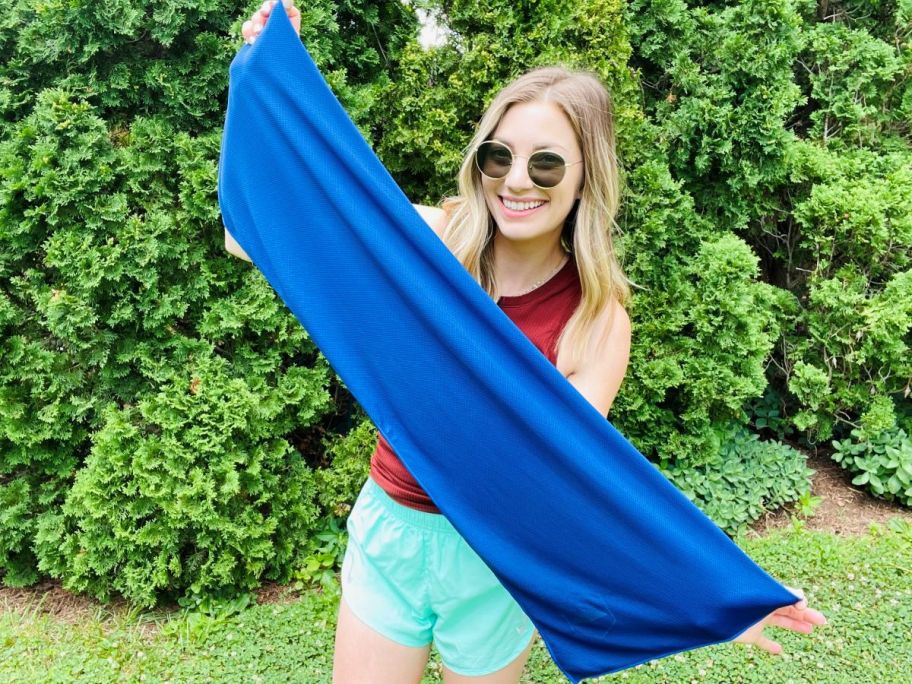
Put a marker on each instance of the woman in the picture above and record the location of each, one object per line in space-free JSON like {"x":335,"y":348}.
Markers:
{"x":538,"y":192}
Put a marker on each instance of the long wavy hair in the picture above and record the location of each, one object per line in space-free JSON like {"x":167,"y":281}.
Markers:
{"x":588,"y":228}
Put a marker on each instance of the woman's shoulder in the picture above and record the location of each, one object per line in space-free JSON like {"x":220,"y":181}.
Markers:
{"x":613,"y":320}
{"x":435,"y":217}
{"x":599,"y":373}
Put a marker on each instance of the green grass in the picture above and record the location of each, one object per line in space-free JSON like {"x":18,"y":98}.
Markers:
{"x":862,"y":584}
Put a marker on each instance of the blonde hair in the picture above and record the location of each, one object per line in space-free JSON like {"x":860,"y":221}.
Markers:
{"x":588,"y":229}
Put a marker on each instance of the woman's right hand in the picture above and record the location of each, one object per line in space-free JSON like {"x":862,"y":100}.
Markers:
{"x":252,"y":27}
{"x":796,"y":617}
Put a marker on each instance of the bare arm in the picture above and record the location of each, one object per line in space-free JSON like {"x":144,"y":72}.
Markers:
{"x":234,"y":248}
{"x":599,"y":377}
{"x":435,"y":217}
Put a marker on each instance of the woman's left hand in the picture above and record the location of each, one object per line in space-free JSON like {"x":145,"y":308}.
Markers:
{"x":796,"y":617}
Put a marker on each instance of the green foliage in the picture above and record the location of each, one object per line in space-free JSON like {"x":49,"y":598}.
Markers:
{"x":195,"y":625}
{"x":192,"y":491}
{"x":855,"y":79}
{"x":765,"y":414}
{"x":348,"y":458}
{"x":731,"y":87}
{"x":108,"y":293}
{"x":170,"y":57}
{"x":121,"y":315}
{"x":693,"y":366}
{"x":810,"y":385}
{"x":323,"y":557}
{"x":718,"y":84}
{"x":855,"y":246}
{"x":881,"y":460}
{"x":807,"y":503}
{"x":743,"y":479}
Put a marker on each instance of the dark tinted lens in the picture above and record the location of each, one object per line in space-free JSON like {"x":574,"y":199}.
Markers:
{"x":493,"y":159}
{"x":546,"y":169}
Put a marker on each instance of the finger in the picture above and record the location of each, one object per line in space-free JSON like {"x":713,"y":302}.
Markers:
{"x":769,"y":645}
{"x":790,"y":611}
{"x":792,"y":624}
{"x":247,"y":30}
{"x":814,"y":616}
{"x":803,"y":614}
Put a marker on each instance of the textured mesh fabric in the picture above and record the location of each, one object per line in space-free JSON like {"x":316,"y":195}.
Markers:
{"x":611,"y":562}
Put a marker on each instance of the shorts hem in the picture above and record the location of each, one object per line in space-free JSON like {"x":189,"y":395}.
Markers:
{"x":482,"y":671}
{"x":382,"y":632}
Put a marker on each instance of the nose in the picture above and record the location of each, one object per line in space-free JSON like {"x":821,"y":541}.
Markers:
{"x":518,"y":177}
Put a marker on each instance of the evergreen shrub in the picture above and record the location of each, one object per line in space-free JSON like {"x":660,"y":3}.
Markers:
{"x":347,"y":459}
{"x":153,"y":388}
{"x":195,"y":491}
{"x":792,"y":129}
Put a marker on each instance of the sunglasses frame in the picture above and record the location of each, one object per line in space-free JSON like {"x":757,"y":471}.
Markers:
{"x":528,"y":159}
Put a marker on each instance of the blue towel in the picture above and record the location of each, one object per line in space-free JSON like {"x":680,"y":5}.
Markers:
{"x":612,"y":563}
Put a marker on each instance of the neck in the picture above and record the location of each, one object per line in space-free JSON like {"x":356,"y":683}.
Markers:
{"x":520,"y":268}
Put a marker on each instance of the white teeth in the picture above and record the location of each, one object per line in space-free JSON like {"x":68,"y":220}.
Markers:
{"x":520,"y":206}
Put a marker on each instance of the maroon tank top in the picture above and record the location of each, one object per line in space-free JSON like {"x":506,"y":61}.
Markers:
{"x":541,"y":314}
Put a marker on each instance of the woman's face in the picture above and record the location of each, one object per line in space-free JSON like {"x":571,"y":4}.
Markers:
{"x":526,"y":128}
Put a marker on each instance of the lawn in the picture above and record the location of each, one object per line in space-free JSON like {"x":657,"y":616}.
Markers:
{"x":863,"y":585}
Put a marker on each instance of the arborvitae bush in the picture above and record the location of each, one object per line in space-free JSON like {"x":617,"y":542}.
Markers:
{"x":160,"y":408}
{"x":193,"y":492}
{"x":789,"y":122}
{"x":850,"y":346}
{"x":347,"y":468}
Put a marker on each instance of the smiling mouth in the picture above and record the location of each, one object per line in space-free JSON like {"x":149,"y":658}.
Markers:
{"x":520,"y":208}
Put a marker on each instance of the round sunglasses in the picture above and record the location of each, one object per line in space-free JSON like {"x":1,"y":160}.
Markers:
{"x":546,"y":168}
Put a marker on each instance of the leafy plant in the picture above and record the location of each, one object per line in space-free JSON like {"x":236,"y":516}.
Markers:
{"x":202,"y":616}
{"x":793,"y":131}
{"x":882,"y":462}
{"x":744,"y":478}
{"x":348,"y":464}
{"x":764,"y":413}
{"x":323,"y":556}
{"x":808,"y":503}
{"x":192,"y":492}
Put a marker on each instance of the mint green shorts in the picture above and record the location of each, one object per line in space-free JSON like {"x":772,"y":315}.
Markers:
{"x":410,"y":576}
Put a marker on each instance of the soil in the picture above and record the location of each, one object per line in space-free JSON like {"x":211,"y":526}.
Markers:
{"x":844,"y":510}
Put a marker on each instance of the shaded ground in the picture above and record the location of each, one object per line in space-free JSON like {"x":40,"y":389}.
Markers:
{"x":844,"y":510}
